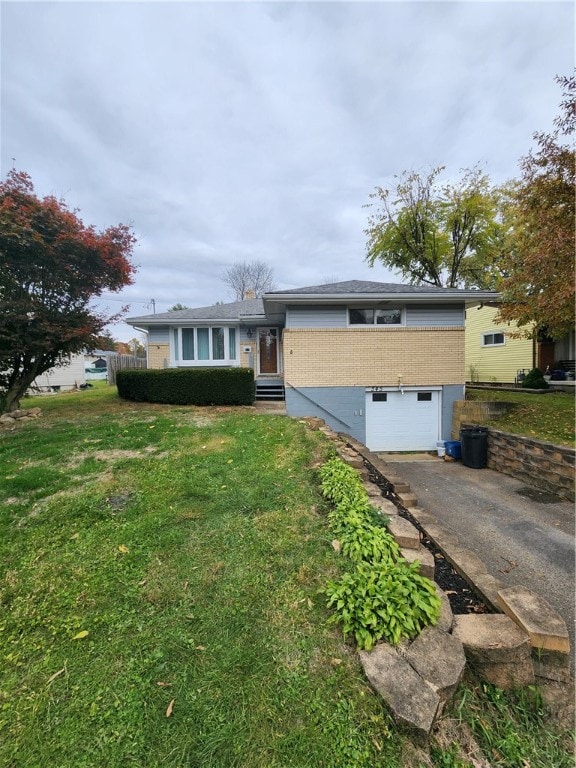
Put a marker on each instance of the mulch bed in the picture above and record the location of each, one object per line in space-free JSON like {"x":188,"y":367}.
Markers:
{"x":462,"y":597}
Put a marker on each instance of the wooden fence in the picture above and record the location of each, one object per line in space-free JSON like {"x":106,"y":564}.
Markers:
{"x":121,"y":363}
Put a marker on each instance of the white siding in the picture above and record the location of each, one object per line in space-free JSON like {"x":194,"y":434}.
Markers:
{"x":316,"y":317}
{"x":435,"y":315}
{"x":443,"y":315}
{"x":158,"y":335}
{"x":66,"y":377}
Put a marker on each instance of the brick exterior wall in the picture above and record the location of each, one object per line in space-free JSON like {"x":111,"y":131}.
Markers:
{"x":336,"y":357}
{"x":158,"y":354}
{"x":246,"y":357}
{"x":539,"y":464}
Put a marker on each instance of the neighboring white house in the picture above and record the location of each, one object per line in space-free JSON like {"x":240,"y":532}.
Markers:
{"x":68,"y":376}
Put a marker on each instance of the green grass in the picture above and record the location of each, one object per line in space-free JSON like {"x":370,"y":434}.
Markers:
{"x":188,"y":544}
{"x":508,"y":726}
{"x":168,"y":561}
{"x":548,"y":417}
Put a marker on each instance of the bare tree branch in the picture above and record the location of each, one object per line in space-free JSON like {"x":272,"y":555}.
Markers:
{"x":243,"y":277}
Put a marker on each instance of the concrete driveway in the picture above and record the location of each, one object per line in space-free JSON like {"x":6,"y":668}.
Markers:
{"x":522,"y":536}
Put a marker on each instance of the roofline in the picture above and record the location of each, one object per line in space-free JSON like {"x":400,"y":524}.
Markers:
{"x":339,"y":298}
{"x":184,"y":320}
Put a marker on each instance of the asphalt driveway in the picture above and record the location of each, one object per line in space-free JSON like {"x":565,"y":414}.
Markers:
{"x":523,"y":537}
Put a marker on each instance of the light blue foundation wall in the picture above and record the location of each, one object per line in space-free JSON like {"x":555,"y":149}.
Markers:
{"x":450,"y":393}
{"x":342,"y":408}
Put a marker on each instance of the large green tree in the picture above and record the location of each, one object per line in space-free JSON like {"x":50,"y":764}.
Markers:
{"x":438,"y":234}
{"x":538,"y":265}
{"x":51,"y":267}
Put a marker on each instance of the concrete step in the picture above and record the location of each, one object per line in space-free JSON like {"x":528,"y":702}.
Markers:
{"x":546,"y":628}
{"x":372,"y":490}
{"x":407,"y":499}
{"x":405,"y":534}
{"x":496,"y":648}
{"x":426,"y":558}
{"x":384,"y":506}
{"x":413,"y":703}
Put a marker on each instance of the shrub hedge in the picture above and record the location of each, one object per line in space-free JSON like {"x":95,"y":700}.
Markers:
{"x":188,"y":386}
{"x":535,"y":380}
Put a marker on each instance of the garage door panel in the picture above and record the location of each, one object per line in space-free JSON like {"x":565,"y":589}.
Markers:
{"x":402,"y":422}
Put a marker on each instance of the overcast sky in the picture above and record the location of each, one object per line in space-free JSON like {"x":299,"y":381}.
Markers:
{"x":225,"y":132}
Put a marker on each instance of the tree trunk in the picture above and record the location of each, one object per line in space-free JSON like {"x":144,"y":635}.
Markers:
{"x":17,"y":386}
{"x":11,"y":400}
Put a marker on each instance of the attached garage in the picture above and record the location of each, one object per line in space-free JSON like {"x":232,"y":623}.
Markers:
{"x":402,"y":420}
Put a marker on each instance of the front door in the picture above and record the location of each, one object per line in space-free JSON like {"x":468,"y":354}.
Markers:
{"x":267,"y":351}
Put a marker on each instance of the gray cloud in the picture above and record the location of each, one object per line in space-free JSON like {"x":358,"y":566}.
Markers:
{"x":232,"y":131}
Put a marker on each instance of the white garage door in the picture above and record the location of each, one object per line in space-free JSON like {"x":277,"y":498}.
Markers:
{"x":403,"y":422}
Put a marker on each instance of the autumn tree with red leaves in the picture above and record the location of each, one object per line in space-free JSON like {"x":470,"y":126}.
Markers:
{"x":51,"y":267}
{"x":538,"y":283}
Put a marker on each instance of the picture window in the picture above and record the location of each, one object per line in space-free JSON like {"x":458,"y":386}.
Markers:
{"x":373,"y":316}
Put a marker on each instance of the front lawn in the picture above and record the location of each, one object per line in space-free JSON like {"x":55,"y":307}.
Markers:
{"x":160,"y":599}
{"x":159,"y":594}
{"x":548,"y":416}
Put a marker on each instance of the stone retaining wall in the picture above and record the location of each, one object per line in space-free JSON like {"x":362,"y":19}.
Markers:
{"x":540,"y":464}
{"x":543,"y":465}
{"x":524,"y":642}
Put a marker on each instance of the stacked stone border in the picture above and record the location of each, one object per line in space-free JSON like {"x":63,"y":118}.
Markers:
{"x":544,"y":465}
{"x":21,"y":416}
{"x":523,"y":643}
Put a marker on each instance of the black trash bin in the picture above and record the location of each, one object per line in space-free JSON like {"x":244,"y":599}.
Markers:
{"x":474,"y":442}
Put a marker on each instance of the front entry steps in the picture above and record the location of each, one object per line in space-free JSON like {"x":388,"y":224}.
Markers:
{"x":269,"y":391}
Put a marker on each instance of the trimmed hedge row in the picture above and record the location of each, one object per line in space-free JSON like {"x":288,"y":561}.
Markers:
{"x":188,"y":386}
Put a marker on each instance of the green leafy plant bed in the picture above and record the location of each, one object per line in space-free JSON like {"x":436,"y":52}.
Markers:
{"x":383,"y":597}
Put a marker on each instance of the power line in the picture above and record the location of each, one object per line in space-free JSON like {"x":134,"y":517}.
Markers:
{"x":145,"y":302}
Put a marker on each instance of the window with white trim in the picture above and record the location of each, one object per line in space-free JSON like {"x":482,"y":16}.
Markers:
{"x":375,"y":316}
{"x":204,"y":345}
{"x":494,"y":339}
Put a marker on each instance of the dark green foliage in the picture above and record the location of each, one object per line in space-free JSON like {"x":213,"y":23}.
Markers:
{"x":188,"y":386}
{"x":535,"y":380}
{"x":384,"y":597}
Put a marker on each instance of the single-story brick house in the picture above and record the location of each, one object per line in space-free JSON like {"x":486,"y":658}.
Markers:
{"x":382,"y":362}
